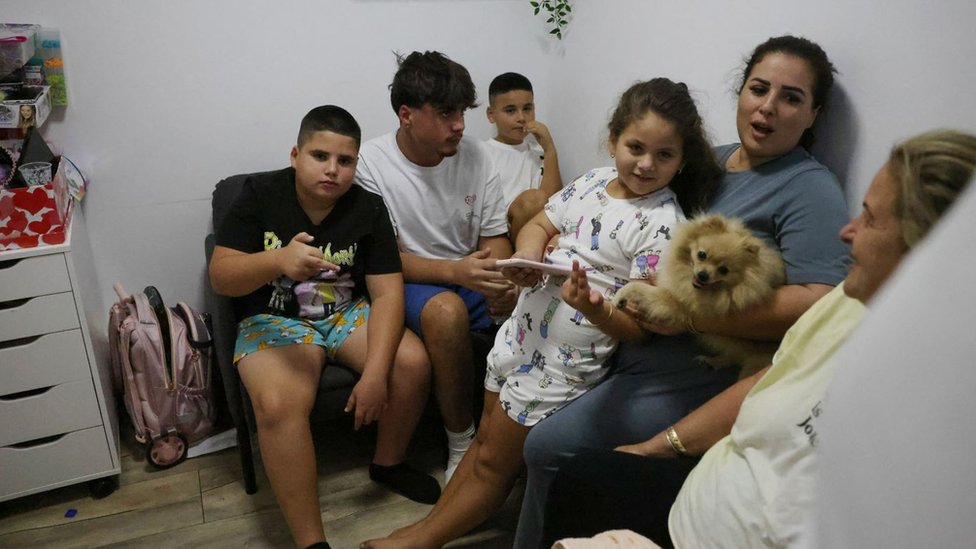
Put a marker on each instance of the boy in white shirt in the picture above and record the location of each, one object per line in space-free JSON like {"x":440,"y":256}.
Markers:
{"x":442,"y":192}
{"x":528,"y":167}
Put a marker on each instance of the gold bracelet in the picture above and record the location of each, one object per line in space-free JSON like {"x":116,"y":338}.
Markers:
{"x":675,"y":442}
{"x":605,"y":320}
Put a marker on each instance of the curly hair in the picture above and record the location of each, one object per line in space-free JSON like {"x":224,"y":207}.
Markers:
{"x":697,"y":182}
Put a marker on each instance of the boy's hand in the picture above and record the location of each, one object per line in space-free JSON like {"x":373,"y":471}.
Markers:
{"x":477,"y":272}
{"x":301,"y":261}
{"x":541,"y":133}
{"x":368,"y":399}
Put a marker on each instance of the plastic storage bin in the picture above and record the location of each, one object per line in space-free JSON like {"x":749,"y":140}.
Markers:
{"x":16,"y":47}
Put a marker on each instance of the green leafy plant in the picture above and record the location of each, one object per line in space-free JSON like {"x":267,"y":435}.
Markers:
{"x":557,"y":11}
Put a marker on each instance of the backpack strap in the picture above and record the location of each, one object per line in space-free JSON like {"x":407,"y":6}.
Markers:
{"x":146,"y":314}
{"x":138,"y":311}
{"x":162,"y":317}
{"x":199,"y":338}
{"x":198,"y":332}
{"x":144,"y":310}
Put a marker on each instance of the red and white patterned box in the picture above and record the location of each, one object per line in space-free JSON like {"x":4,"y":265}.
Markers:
{"x":35,"y":216}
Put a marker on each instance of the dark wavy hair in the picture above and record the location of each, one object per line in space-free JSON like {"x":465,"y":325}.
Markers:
{"x":698,"y":180}
{"x":815,"y":57}
{"x":430,"y":77}
{"x":328,"y":118}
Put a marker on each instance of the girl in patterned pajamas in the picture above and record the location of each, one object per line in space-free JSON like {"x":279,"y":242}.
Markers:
{"x":552,"y":349}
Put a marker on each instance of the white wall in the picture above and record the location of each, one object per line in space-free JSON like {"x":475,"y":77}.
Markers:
{"x":905,"y":66}
{"x":168,"y":97}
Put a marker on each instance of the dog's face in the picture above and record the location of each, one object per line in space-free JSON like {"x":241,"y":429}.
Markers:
{"x":717,"y":254}
{"x":720,"y":260}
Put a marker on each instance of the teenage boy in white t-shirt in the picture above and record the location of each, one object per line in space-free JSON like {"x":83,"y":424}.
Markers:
{"x":523,"y":150}
{"x":444,"y":196}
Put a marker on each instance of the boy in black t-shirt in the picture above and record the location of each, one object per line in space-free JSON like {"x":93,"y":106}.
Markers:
{"x":298,"y":251}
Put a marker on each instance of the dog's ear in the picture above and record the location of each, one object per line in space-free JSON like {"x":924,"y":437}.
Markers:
{"x":714,"y":222}
{"x":751,"y":248}
{"x":682,"y":248}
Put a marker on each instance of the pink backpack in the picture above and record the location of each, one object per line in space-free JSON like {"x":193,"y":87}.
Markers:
{"x":161,"y":361}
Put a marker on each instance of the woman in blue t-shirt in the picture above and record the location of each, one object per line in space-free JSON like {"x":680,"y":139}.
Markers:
{"x":787,"y":198}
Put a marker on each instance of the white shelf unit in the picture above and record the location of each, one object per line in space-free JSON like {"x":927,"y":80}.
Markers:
{"x":58,"y":420}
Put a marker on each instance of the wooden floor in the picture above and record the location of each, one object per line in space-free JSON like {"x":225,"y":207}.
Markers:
{"x":201,"y":503}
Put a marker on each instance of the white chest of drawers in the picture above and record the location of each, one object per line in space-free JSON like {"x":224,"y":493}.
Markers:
{"x":58,"y":423}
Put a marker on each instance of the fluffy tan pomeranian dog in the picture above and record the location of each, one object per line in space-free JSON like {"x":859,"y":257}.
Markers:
{"x":715,"y":267}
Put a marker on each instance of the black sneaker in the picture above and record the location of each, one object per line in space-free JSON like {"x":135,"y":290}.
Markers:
{"x":407,"y":481}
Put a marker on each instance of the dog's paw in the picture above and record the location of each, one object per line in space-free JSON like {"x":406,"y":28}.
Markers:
{"x":634,"y":295}
{"x":651,"y":304}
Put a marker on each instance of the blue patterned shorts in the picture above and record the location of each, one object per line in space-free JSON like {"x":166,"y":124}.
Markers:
{"x":265,"y":331}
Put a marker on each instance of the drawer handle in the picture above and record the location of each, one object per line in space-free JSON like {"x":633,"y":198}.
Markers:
{"x":25,"y":394}
{"x":22,"y":342}
{"x":9,"y":263}
{"x":36,"y":442}
{"x":13,"y":304}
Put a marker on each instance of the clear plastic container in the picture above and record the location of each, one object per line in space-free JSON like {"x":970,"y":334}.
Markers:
{"x":16,"y":47}
{"x":54,"y":75}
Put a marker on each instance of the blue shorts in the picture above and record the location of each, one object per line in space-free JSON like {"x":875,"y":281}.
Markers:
{"x":416,"y":297}
{"x":268,"y":331}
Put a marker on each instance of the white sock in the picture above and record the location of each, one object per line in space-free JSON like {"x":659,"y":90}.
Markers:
{"x":457,"y":445}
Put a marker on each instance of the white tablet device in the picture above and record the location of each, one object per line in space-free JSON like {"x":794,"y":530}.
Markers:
{"x":529,"y":264}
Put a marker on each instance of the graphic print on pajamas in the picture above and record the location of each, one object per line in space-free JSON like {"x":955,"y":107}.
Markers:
{"x":595,"y":235}
{"x":536,"y":372}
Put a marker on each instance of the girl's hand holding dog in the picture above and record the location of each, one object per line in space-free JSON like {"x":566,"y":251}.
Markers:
{"x":599,"y":311}
{"x":300,"y":261}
